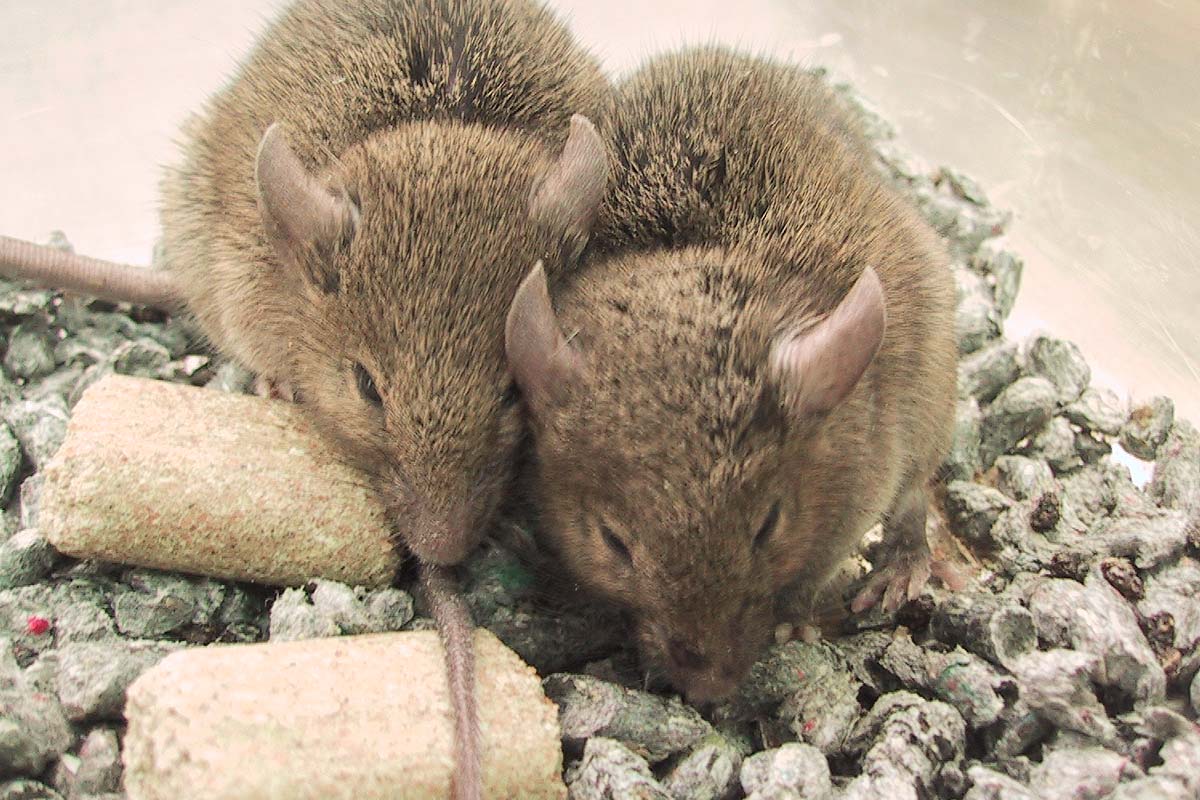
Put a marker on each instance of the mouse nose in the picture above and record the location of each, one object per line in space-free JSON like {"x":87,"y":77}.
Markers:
{"x":444,"y":539}
{"x":684,"y":656}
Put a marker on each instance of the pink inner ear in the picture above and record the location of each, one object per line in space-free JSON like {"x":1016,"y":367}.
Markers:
{"x":568,"y":197}
{"x":818,"y":367}
{"x":541,"y":360}
{"x":296,"y":210}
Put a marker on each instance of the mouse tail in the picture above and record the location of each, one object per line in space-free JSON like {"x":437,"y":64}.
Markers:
{"x":457,"y":632}
{"x":58,"y":269}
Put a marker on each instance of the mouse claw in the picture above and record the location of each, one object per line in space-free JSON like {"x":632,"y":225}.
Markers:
{"x":903,"y":580}
{"x":951,"y":576}
{"x":868,"y":596}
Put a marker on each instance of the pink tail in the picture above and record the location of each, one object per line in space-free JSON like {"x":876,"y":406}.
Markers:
{"x":454,"y":624}
{"x":56,"y":269}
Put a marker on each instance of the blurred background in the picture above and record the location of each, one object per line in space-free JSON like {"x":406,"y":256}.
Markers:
{"x":1082,"y":116}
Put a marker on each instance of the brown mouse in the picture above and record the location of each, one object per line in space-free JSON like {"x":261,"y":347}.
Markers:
{"x":351,"y":219}
{"x":757,"y":364}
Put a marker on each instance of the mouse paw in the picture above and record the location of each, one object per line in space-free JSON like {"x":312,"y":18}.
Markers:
{"x":273,"y":389}
{"x":903,"y":579}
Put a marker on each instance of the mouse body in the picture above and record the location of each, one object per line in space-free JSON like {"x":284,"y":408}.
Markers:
{"x":756,"y":365}
{"x":353,"y":214}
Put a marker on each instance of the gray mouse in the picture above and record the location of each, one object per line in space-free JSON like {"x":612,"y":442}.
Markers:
{"x":351,"y":219}
{"x":756,"y":366}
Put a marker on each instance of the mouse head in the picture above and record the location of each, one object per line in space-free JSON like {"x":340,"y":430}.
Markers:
{"x":678,"y":407}
{"x":398,"y":266}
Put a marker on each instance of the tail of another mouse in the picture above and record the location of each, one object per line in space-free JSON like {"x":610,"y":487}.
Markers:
{"x":457,"y":631}
{"x":58,"y":269}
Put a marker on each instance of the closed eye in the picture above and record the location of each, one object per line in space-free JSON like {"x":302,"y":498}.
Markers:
{"x":511,"y":395}
{"x":768,"y":526}
{"x":366,"y":385}
{"x":615,"y":544}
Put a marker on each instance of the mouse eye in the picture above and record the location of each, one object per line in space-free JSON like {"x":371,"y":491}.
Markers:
{"x":768,"y":526}
{"x":615,"y":544}
{"x":512,"y":393}
{"x":366,"y":385}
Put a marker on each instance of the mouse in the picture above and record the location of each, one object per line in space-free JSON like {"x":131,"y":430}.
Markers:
{"x":350,"y":220}
{"x":756,"y":365}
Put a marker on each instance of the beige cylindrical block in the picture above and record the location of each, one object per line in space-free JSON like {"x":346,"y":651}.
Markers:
{"x":175,"y":477}
{"x":353,"y":718}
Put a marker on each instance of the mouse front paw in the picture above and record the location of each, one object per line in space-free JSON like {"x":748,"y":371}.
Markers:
{"x":903,"y":579}
{"x":273,"y":389}
{"x":906,"y":563}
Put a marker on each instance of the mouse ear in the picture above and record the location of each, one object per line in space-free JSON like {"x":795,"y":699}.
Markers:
{"x":304,"y":222}
{"x":540,"y":358}
{"x":568,"y":196}
{"x":817,"y":367}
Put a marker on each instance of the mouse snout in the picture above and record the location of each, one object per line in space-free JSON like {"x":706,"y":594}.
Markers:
{"x":684,"y":656}
{"x":440,"y":519}
{"x":706,"y":654}
{"x":704,"y":678}
{"x":702,"y":671}
{"x":438,"y":538}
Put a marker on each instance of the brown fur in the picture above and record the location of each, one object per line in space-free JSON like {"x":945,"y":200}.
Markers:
{"x":750,"y":208}
{"x":437,"y":116}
